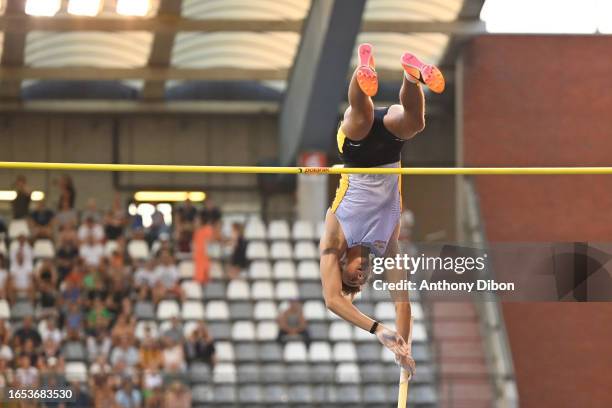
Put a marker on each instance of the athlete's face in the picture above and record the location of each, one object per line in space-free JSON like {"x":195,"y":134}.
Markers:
{"x":356,"y":268}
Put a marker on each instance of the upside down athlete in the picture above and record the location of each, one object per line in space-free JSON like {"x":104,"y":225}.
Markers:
{"x":364,"y":217}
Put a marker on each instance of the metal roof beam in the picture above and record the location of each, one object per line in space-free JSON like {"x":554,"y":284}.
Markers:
{"x":13,"y":51}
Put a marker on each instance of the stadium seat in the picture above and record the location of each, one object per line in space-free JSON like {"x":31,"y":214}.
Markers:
{"x":188,"y":328}
{"x":43,"y":248}
{"x":265,"y":310}
{"x":320,"y":230}
{"x":144,"y":310}
{"x":374,"y":372}
{"x":278,"y":229}
{"x":267,"y":330}
{"x":384,"y":311}
{"x":74,"y":351}
{"x":241,"y":310}
{"x":246,"y":352}
{"x":344,"y":352}
{"x":167,"y":309}
{"x":250,"y":394}
{"x":255,"y":229}
{"x":243,"y":330}
{"x":260,"y":270}
{"x":192,"y":310}
{"x":348,"y":394}
{"x":224,"y":394}
{"x":308,"y":270}
{"x":192,"y":290}
{"x":347,"y":373}
{"x":199,"y":372}
{"x":274,"y":372}
{"x":224,"y":351}
{"x":305,"y":250}
{"x":216,"y":270}
{"x":419,"y":334}
{"x":295,"y":351}
{"x":262,"y":290}
{"x":423,"y":394}
{"x":320,"y":351}
{"x":284,"y":270}
{"x":270,"y":352}
{"x":323,"y":373}
{"x":238,"y":289}
{"x":275,"y":394}
{"x":220,"y":330}
{"x":76,"y":371}
{"x":340,"y":330}
{"x":314,"y":310}
{"x":281,"y":250}
{"x":138,"y":249}
{"x":186,"y":269}
{"x":21,"y":309}
{"x":368,"y":352}
{"x":139,"y":331}
{"x":361,"y":335}
{"x":214,"y":291}
{"x":5,"y":310}
{"x":367,"y":308}
{"x":376,"y":394}
{"x":110,"y":247}
{"x":310,"y":290}
{"x":217,"y":310}
{"x":302,"y":230}
{"x":300,"y":394}
{"x":201,"y":394}
{"x":17,"y":228}
{"x":318,"y":331}
{"x":248,"y":373}
{"x":224,"y":373}
{"x":417,"y":311}
{"x":287,"y":290}
{"x":257,"y":250}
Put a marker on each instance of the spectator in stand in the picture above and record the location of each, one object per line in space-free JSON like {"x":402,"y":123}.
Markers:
{"x":98,"y":318}
{"x":73,"y":321}
{"x":238,"y":261}
{"x":26,"y":376}
{"x":67,"y":217}
{"x":90,"y":229}
{"x":178,"y":396}
{"x":42,"y":221}
{"x":100,"y":366}
{"x":125,"y":352}
{"x":67,"y":196}
{"x":167,"y":278}
{"x":102,"y":392}
{"x":157,"y":228}
{"x":124,"y":327}
{"x":291,"y":322}
{"x":173,"y":357}
{"x":200,"y":346}
{"x":150,"y":351}
{"x":210,"y":213}
{"x":152,"y":383}
{"x":145,"y":278}
{"x":91,"y":211}
{"x":5,"y":281}
{"x":21,"y":270}
{"x":21,"y":204}
{"x":91,"y":251}
{"x":99,"y":345}
{"x":185,"y":217}
{"x":175,"y":331}
{"x":127,"y":396}
{"x":115,"y":220}
{"x":51,"y":331}
{"x":26,"y":332}
{"x":66,"y":254}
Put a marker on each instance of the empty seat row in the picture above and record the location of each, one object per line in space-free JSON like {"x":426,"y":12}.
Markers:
{"x":284,"y":269}
{"x":255,"y":229}
{"x":281,"y":250}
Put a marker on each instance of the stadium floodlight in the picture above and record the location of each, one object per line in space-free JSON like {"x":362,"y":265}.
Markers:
{"x":169,"y":196}
{"x":137,"y":8}
{"x":10,"y":195}
{"x":84,"y":7}
{"x":43,"y":8}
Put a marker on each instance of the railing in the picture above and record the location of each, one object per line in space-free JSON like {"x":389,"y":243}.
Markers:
{"x":497,"y":349}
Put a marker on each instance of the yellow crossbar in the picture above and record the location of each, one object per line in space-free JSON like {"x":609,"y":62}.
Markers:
{"x":433,"y":171}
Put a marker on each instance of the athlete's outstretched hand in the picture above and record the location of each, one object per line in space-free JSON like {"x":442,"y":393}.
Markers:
{"x":396,"y":344}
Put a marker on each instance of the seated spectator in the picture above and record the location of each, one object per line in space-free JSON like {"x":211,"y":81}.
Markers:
{"x":291,"y":322}
{"x":178,"y":396}
{"x":46,"y":283}
{"x":127,"y":396}
{"x":99,"y":345}
{"x":99,"y":317}
{"x":166,"y":278}
{"x":91,"y":251}
{"x":80,"y":398}
{"x":158,"y":227}
{"x":200,"y":346}
{"x":6,"y":352}
{"x":21,"y":204}
{"x":42,"y":220}
{"x":173,"y":358}
{"x":152,"y":383}
{"x":100,"y":366}
{"x":91,"y":211}
{"x":102,"y":392}
{"x":66,"y":217}
{"x":126,"y":353}
{"x":21,"y":270}
{"x":175,"y":331}
{"x":124,"y":327}
{"x":150,"y":352}
{"x":6,"y":375}
{"x":145,"y":278}
{"x":66,"y":253}
{"x":51,"y":331}
{"x":67,"y":193}
{"x":50,"y":348}
{"x":238,"y":261}
{"x":26,"y":376}
{"x":115,"y":220}
{"x":26,"y":332}
{"x":90,"y":231}
{"x":73,"y":321}
{"x":5,"y":281}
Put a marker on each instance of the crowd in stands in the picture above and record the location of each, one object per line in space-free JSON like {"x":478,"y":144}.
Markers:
{"x":86,"y":293}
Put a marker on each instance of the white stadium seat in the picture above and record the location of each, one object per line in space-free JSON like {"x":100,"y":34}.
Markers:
{"x":243,"y":330}
{"x":262,"y":290}
{"x":344,"y":352}
{"x":267,"y":331}
{"x":305,"y":250}
{"x":188,"y":328}
{"x":192,"y":289}
{"x":287,"y":290}
{"x":110,"y":247}
{"x":278,"y":229}
{"x":217,"y":310}
{"x":43,"y":248}
{"x":302,"y":230}
{"x":167,"y":309}
{"x":340,"y":330}
{"x":265,"y":310}
{"x":186,"y":269}
{"x":5,"y":310}
{"x":139,"y":331}
{"x":238,"y":290}
{"x":257,"y":250}
{"x":347,"y":373}
{"x":320,"y":352}
{"x":308,"y":270}
{"x":75,"y":371}
{"x":17,"y":228}
{"x":314,"y":310}
{"x":260,"y":270}
{"x":284,"y":270}
{"x":254,"y":229}
{"x":192,"y":310}
{"x":320,"y":229}
{"x":295,"y":351}
{"x":138,"y":249}
{"x":224,"y":351}
{"x":384,"y":311}
{"x":224,"y":373}
{"x":281,"y":250}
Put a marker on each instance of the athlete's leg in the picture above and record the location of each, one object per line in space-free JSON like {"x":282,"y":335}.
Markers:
{"x":359,"y":116}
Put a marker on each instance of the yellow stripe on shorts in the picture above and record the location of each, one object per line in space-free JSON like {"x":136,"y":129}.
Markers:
{"x":340,"y":192}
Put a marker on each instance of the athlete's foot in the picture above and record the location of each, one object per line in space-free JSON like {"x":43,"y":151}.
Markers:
{"x":366,"y":75}
{"x":430,"y":75}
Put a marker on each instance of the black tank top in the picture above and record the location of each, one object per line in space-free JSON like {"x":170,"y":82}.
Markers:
{"x":379,"y":146}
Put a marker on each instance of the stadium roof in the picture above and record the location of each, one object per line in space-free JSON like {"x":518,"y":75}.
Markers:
{"x":197,"y":42}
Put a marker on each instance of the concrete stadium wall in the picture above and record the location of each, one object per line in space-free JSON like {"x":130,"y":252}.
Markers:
{"x":545,"y":101}
{"x":208,"y":139}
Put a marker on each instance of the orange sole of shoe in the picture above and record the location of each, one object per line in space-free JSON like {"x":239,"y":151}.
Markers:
{"x":432,"y":76}
{"x":366,"y":75}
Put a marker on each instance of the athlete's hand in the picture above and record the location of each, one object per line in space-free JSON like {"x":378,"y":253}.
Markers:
{"x":396,"y":344}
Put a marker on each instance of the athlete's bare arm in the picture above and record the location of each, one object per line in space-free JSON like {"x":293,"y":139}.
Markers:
{"x":332,"y":245}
